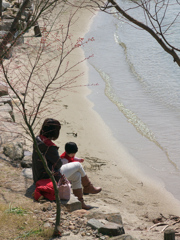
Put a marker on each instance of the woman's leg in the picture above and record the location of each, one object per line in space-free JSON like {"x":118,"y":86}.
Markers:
{"x":74,"y":172}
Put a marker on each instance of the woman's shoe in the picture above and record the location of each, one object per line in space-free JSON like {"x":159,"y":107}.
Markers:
{"x":88,"y":187}
{"x":79,"y":194}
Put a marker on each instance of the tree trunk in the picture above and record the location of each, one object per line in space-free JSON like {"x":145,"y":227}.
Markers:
{"x":169,"y":234}
{"x":1,"y":9}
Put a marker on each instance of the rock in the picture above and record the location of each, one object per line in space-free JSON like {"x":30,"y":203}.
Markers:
{"x":3,"y":90}
{"x":105,"y":227}
{"x":5,"y":5}
{"x":27,"y":173}
{"x":7,"y":108}
{"x":73,"y":204}
{"x":6,"y":24}
{"x":10,"y":132}
{"x":26,"y":162}
{"x":111,"y":229}
{"x":2,"y":34}
{"x":8,"y":14}
{"x":47,"y":225}
{"x":95,"y":224}
{"x":5,"y":116}
{"x":115,"y":218}
{"x":123,"y":237}
{"x":13,"y":150}
{"x":6,"y":99}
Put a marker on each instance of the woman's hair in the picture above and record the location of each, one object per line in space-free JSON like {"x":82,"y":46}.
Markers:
{"x":71,"y":147}
{"x":50,"y":128}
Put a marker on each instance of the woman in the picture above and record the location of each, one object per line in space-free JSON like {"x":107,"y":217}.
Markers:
{"x":73,"y":171}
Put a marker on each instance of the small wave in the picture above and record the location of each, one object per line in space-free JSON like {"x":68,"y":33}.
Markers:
{"x":132,"y":118}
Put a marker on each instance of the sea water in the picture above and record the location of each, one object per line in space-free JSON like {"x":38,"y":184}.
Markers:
{"x":138,"y":92}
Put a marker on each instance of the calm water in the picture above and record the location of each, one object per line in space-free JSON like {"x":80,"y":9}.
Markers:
{"x":139,"y":93}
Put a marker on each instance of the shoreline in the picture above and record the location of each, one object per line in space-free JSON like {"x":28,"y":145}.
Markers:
{"x":122,"y":114}
{"x":138,"y":199}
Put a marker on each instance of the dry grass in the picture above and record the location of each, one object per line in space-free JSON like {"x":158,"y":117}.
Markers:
{"x":18,"y":213}
{"x":20,"y":223}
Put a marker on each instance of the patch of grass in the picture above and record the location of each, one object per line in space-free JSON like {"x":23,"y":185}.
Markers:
{"x":16,"y":210}
{"x":20,"y":223}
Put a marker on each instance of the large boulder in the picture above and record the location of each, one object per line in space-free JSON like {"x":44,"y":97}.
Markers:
{"x":13,"y":150}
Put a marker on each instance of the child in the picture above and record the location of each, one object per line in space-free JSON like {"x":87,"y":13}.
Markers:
{"x":69,"y":154}
{"x":74,"y":172}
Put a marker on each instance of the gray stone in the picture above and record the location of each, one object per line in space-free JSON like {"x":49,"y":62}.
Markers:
{"x":8,"y":14}
{"x":73,"y":204}
{"x":105,"y":227}
{"x":27,"y":153}
{"x":7,"y":108}
{"x":13,"y":150}
{"x":26,"y":162}
{"x":47,"y":225}
{"x":27,"y":173}
{"x":5,"y":116}
{"x":6,"y":99}
{"x":94,"y":223}
{"x":114,"y":217}
{"x":2,"y":34}
{"x":10,"y":132}
{"x":3,"y":90}
{"x":123,"y":237}
{"x":111,"y":229}
{"x":6,"y":24}
{"x":5,"y":5}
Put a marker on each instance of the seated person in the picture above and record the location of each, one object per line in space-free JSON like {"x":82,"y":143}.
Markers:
{"x":73,"y":171}
{"x":69,"y":154}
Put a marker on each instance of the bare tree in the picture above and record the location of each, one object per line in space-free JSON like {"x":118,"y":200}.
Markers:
{"x":40,"y":70}
{"x":156,"y":19}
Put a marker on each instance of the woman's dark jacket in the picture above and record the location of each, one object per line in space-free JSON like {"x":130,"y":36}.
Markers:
{"x":50,"y":152}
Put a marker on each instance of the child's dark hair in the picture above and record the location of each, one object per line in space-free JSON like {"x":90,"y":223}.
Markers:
{"x":50,"y":128}
{"x":71,"y":147}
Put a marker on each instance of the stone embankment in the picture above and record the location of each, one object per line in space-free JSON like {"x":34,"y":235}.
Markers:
{"x":10,"y":8}
{"x":10,"y":135}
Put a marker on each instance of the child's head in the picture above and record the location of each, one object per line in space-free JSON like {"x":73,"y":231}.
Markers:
{"x":71,"y":148}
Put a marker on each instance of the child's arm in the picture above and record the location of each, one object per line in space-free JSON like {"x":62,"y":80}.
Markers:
{"x":76,"y":159}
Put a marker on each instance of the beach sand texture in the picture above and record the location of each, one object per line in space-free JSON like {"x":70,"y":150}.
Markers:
{"x":125,"y":189}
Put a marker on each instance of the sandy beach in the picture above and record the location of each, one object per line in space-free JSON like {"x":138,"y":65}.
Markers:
{"x":126,"y":190}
